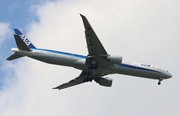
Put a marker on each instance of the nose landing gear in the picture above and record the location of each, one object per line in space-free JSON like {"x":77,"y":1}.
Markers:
{"x":160,"y":79}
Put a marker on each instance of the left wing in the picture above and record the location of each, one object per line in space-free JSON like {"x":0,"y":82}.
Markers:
{"x":93,"y":44}
{"x":97,"y":55}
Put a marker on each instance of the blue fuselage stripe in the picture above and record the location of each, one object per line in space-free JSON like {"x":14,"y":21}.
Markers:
{"x":63,"y":53}
{"x":84,"y":57}
{"x":135,"y":67}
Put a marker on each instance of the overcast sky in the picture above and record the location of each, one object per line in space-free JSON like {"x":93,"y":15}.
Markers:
{"x":146,"y":31}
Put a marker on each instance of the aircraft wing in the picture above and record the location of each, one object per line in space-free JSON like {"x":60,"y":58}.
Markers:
{"x":96,"y":52}
{"x":93,"y":44}
{"x":73,"y":82}
{"x":79,"y":80}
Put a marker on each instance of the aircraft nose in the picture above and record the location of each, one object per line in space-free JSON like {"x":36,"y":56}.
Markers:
{"x":169,"y":75}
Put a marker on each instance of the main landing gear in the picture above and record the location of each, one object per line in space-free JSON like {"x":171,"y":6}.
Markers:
{"x":87,"y":77}
{"x":160,"y":79}
{"x":93,"y":65}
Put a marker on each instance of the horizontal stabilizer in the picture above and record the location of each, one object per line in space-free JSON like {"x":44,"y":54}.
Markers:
{"x":14,"y":56}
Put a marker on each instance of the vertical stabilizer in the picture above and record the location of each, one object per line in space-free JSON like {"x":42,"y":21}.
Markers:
{"x":23,"y":37}
{"x":22,"y":43}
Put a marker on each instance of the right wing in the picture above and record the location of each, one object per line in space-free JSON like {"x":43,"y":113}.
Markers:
{"x":79,"y":80}
{"x":73,"y":82}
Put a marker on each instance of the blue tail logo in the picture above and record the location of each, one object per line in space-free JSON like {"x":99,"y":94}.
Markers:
{"x":23,"y":37}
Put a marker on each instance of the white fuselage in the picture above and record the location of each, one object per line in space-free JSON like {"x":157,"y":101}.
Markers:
{"x":78,"y":62}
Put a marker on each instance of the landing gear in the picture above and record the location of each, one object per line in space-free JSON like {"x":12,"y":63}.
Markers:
{"x":160,"y":79}
{"x":87,"y":79}
{"x":87,"y":76}
{"x":93,"y":65}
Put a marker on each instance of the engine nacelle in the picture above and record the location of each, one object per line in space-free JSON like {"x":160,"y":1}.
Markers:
{"x":104,"y":81}
{"x":114,"y":59}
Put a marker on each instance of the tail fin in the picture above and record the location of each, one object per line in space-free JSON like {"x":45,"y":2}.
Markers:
{"x":18,"y":35}
{"x":22,"y":43}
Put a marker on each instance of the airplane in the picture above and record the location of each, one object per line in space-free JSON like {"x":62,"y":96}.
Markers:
{"x":97,"y":64}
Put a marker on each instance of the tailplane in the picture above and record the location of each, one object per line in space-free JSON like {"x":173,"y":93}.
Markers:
{"x":14,"y":56}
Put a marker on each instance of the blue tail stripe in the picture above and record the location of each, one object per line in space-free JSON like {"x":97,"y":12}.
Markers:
{"x":31,"y":46}
{"x":17,"y":32}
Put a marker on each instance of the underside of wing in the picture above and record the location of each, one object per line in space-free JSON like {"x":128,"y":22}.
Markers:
{"x":83,"y":77}
{"x":93,"y":44}
{"x":73,"y":82}
{"x":97,"y":57}
{"x":87,"y":76}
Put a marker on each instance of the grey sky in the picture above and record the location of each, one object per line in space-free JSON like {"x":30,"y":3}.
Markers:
{"x":141,"y":31}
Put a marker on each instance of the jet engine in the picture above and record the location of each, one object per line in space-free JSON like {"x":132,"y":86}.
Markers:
{"x":114,"y":59}
{"x":104,"y":81}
